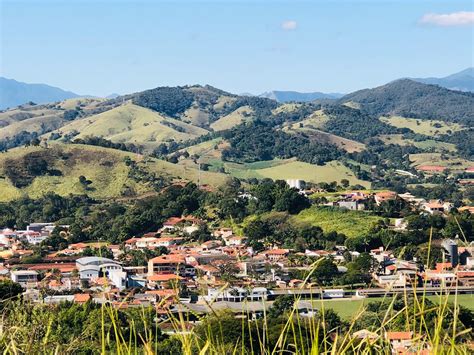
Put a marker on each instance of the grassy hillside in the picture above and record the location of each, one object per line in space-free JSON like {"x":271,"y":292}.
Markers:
{"x":105,"y":168}
{"x":130,"y":123}
{"x":449,"y":161}
{"x":350,"y":223}
{"x":292,"y":169}
{"x":41,"y":119}
{"x":242,"y":114}
{"x":438,"y":146}
{"x":348,"y":145}
{"x":426,"y":127}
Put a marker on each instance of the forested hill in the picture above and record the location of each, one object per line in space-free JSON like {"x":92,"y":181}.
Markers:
{"x":409,"y":98}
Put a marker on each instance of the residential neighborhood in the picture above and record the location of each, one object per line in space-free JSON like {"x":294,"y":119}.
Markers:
{"x":175,"y":273}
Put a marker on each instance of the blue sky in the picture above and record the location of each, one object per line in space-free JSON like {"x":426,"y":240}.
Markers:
{"x":100,"y":47}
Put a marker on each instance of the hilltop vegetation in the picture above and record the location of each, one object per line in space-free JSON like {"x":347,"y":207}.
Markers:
{"x":409,"y":98}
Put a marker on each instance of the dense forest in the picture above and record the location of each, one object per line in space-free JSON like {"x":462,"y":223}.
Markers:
{"x":259,"y":141}
{"x":409,"y":98}
{"x":168,"y":100}
{"x":355,"y":124}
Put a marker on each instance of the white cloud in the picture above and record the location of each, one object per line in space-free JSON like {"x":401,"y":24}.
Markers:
{"x":461,"y":18}
{"x":289,"y":25}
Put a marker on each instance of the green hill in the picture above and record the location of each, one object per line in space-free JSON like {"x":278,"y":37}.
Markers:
{"x":409,"y":98}
{"x":34,"y":171}
{"x":130,"y":123}
{"x":21,"y":124}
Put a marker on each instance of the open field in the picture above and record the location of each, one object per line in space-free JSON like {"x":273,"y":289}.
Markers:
{"x":293,"y":169}
{"x":350,"y":223}
{"x":427,"y":127}
{"x":426,"y":144}
{"x":451,"y":162}
{"x":348,"y":308}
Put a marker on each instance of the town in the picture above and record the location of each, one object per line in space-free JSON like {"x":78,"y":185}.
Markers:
{"x":175,"y":270}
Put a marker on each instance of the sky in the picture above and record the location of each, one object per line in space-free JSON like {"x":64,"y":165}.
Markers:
{"x":103,"y":47}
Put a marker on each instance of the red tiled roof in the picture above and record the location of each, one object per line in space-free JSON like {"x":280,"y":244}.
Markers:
{"x":169,"y":259}
{"x":81,"y":297}
{"x":164,"y":277}
{"x":276,"y":252}
{"x":398,"y":335}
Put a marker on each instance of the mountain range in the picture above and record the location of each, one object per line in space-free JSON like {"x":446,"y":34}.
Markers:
{"x":462,"y":81}
{"x":14,"y":93}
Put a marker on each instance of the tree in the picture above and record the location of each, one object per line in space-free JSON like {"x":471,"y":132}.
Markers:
{"x":9,"y":289}
{"x":325,"y":272}
{"x":345,"y":183}
{"x":281,"y":305}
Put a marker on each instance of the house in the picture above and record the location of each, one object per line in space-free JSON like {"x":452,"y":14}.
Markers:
{"x":442,"y":276}
{"x":171,"y":224}
{"x":384,"y":196}
{"x":436,"y":207}
{"x":351,"y":205}
{"x":170,"y":264}
{"x":33,"y":237}
{"x":211,"y":244}
{"x":258,"y":294}
{"x":162,"y":281}
{"x":274,"y":255}
{"x":233,"y":294}
{"x":222,"y":233}
{"x":26,"y":278}
{"x":82,"y":298}
{"x":235,"y":240}
{"x":93,"y":267}
{"x":399,"y":341}
{"x":465,"y":278}
{"x":295,"y":183}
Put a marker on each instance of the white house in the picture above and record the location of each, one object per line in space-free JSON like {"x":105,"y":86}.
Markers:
{"x":26,"y":278}
{"x":91,"y":267}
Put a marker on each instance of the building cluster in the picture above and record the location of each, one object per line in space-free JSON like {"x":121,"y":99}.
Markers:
{"x":223,"y":270}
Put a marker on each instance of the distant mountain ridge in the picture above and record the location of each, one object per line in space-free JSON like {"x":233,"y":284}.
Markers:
{"x":14,"y":93}
{"x":462,"y":81}
{"x":289,"y":96}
